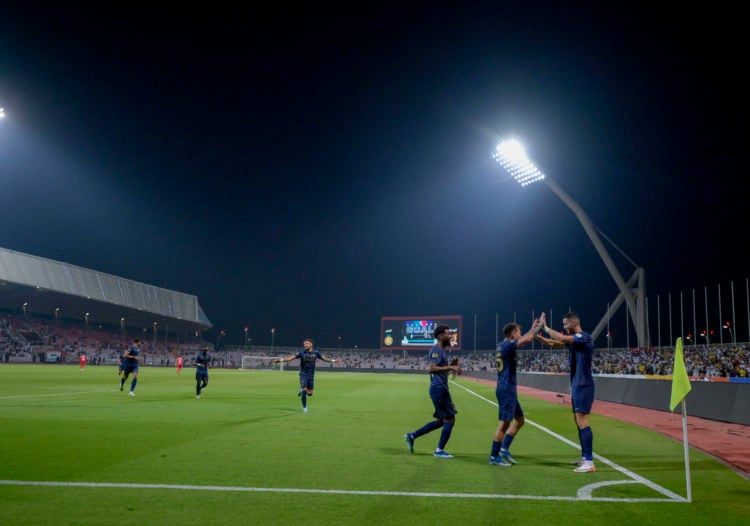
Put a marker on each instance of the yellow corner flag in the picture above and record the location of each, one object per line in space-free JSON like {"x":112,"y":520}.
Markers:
{"x":680,"y":381}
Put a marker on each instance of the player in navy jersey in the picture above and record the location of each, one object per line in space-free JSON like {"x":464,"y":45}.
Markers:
{"x":307,"y":359}
{"x":510,"y":414}
{"x":121,"y":366}
{"x":130,"y":366}
{"x":445,"y":411}
{"x":580,"y":345}
{"x":202,"y":364}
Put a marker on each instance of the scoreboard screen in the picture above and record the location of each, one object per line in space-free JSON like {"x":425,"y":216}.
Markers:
{"x":415,"y":332}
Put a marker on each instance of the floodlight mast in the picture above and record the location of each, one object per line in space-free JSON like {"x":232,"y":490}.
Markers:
{"x":511,"y":156}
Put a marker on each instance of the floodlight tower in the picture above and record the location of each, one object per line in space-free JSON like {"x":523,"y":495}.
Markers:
{"x":511,"y":156}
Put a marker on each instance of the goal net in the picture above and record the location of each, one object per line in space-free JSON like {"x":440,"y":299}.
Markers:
{"x":261,"y":363}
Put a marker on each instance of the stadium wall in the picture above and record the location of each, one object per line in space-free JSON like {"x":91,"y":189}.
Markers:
{"x":722,"y":401}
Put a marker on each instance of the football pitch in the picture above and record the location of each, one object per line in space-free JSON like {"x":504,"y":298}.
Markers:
{"x":76,"y":450}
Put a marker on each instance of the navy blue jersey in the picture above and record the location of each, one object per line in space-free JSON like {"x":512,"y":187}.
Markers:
{"x":581,"y":358}
{"x":307,"y":361}
{"x":506,"y":360}
{"x":202,"y":360}
{"x":133,"y":359}
{"x":439,"y":357}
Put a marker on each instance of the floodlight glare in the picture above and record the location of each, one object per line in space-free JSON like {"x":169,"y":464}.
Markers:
{"x":2,"y":112}
{"x":511,"y":156}
{"x":513,"y":159}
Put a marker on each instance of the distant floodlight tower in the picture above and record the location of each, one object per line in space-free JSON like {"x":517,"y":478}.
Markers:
{"x":510,"y":154}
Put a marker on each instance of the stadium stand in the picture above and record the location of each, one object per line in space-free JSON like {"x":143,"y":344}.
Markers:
{"x":43,"y":288}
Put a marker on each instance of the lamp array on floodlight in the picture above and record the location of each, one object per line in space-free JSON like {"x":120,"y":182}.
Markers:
{"x":511,"y":156}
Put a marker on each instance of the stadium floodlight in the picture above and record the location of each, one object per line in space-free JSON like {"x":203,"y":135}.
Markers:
{"x":511,"y":156}
{"x":2,"y":112}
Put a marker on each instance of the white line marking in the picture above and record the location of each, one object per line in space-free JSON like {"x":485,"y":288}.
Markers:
{"x":314,"y":491}
{"x":616,"y":467}
{"x":56,"y":394}
{"x":585,"y":493}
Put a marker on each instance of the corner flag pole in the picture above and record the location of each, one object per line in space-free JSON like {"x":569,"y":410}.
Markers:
{"x":687,"y":456}
{"x":680,"y":388}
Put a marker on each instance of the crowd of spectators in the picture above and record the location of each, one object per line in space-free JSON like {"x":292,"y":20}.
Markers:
{"x":32,"y":341}
{"x":28,"y":341}
{"x":700,"y":360}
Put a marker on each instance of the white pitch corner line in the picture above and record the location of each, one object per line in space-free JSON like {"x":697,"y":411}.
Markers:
{"x":586,"y":495}
{"x":184,"y":487}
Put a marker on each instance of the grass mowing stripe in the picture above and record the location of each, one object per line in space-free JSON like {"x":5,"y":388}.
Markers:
{"x":245,"y":448}
{"x":584,"y":493}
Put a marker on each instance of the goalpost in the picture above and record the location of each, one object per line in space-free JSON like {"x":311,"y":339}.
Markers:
{"x":264,"y":363}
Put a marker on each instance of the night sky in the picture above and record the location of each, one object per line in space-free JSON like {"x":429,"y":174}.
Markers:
{"x":313,"y":171}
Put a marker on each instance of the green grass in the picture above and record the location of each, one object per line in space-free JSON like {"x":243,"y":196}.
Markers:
{"x":246,"y":454}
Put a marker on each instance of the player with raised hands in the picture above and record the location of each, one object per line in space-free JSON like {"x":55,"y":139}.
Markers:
{"x":307,"y":357}
{"x":580,"y":345}
{"x":510,"y":414}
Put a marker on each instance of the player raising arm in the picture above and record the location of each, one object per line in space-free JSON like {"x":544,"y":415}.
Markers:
{"x":510,"y":418}
{"x":580,"y":345}
{"x":307,"y":358}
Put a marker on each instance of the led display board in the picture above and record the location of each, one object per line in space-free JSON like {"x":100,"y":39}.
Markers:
{"x":415,"y":332}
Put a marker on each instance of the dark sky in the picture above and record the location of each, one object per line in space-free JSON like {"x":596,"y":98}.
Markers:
{"x":315,"y":170}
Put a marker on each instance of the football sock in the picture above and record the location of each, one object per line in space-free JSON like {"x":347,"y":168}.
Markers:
{"x":432,"y":425}
{"x":495,"y":451}
{"x":132,"y":384}
{"x":587,"y":443}
{"x":580,"y":439}
{"x":507,"y":441}
{"x":445,"y":434}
